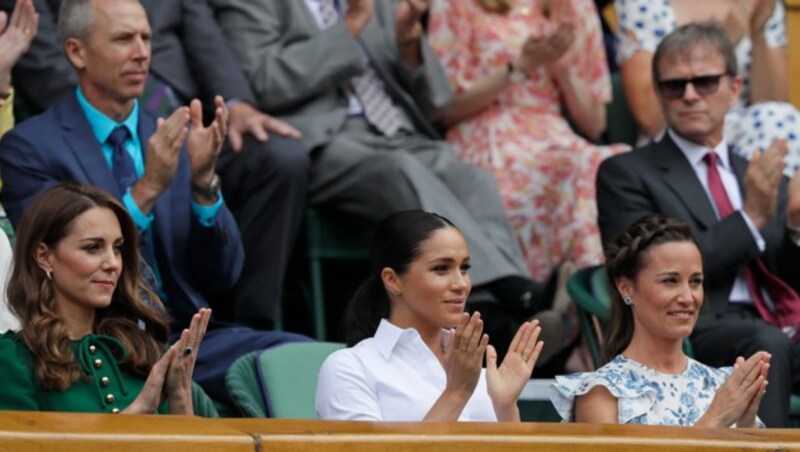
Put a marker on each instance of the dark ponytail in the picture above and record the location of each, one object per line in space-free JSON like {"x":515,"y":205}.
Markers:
{"x":625,"y":258}
{"x":397,"y":242}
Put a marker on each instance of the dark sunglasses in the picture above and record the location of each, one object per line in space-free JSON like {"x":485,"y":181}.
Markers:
{"x":704,"y":85}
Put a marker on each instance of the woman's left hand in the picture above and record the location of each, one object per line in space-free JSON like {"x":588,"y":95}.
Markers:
{"x":178,"y":385}
{"x":506,"y":382}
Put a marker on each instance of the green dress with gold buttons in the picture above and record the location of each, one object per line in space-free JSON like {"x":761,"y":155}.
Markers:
{"x":103,"y":388}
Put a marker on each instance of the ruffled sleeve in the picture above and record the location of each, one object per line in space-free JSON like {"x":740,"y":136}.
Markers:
{"x":635,"y":394}
{"x":18,"y":391}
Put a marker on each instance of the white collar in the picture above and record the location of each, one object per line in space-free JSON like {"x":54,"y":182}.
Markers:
{"x":389,"y":335}
{"x":695,"y":153}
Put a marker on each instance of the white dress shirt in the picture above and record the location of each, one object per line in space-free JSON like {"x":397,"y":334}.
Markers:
{"x":695,"y":153}
{"x":392,"y":376}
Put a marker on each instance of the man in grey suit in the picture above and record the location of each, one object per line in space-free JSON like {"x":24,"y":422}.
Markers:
{"x":264,"y":182}
{"x":742,"y":214}
{"x":358,"y":79}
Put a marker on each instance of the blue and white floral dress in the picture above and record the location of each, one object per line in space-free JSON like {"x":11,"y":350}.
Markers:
{"x":748,"y":127}
{"x":645,"y":396}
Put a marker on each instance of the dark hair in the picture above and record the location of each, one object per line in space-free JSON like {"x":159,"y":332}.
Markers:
{"x":691,"y":35}
{"x":625,"y":258}
{"x":397,"y":242}
{"x":30,"y":294}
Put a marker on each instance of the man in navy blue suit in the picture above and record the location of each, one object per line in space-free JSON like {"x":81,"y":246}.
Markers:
{"x":173,"y":193}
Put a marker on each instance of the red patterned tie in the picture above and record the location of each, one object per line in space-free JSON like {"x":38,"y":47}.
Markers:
{"x":787,"y":303}
{"x":378,"y":107}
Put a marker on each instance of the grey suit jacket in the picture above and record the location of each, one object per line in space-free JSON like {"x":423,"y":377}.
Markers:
{"x":658,"y":178}
{"x":189,"y":53}
{"x":300,"y":72}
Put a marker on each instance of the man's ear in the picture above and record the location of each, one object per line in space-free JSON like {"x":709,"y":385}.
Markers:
{"x":76,"y":53}
{"x":43,"y":257}
{"x":391,"y":281}
{"x":736,"y":89}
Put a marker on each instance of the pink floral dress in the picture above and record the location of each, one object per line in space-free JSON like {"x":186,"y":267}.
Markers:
{"x":545,"y":171}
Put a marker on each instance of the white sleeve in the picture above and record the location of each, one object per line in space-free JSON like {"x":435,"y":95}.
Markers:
{"x":344,"y":391}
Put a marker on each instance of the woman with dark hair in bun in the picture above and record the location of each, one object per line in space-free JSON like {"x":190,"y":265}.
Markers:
{"x":656,"y":271}
{"x":414,"y":353}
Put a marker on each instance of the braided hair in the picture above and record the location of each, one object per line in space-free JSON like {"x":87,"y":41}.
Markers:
{"x":625,"y":257}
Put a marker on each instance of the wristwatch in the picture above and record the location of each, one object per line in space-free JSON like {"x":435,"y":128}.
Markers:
{"x":211,"y":191}
{"x":515,"y":75}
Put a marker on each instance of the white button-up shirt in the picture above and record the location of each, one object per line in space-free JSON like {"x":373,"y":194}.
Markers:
{"x":392,"y":376}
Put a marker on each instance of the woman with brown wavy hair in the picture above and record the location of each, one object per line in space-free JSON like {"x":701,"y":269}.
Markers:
{"x":92,"y":333}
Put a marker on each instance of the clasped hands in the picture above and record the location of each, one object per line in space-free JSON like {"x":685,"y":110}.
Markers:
{"x":464,"y":354}
{"x":737,"y":400}
{"x":171,"y":377}
{"x":547,"y":45}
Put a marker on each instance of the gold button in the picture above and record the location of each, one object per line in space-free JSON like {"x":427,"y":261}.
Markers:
{"x":92,"y":349}
{"x":104,"y":381}
{"x":97,"y":363}
{"x":115,"y":411}
{"x":110,"y":398}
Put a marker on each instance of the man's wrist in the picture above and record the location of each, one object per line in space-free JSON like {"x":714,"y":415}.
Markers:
{"x":207,"y":190}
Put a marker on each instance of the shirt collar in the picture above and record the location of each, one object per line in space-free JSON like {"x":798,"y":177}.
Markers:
{"x":695,"y":153}
{"x":102,"y":125}
{"x":388,"y":336}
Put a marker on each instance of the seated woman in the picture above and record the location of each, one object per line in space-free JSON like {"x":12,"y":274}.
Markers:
{"x":519,"y":68}
{"x":757,"y":29}
{"x":88,"y":340}
{"x":415,"y":354}
{"x":656,"y":269}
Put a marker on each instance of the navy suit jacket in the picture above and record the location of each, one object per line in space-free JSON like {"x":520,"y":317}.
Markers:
{"x":658,"y":178}
{"x":59,"y":145}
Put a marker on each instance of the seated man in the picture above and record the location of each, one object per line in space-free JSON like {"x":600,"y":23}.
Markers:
{"x":100,"y":135}
{"x":361,"y":84}
{"x":264,"y":182}
{"x":745,"y":216}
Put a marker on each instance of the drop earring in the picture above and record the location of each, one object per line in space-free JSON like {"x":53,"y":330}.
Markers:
{"x":49,"y":274}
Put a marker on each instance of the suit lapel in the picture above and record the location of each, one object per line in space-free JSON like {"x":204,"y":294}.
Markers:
{"x":162,"y":211}
{"x":83,"y":144}
{"x":682,"y":179}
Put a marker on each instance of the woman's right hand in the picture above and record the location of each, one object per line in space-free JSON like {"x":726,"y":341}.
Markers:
{"x":738,"y":398}
{"x":152,"y":394}
{"x":178,"y":384}
{"x":463,"y":356}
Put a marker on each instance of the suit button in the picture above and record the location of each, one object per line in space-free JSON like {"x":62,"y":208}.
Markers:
{"x":104,"y":381}
{"x":98,"y":363}
{"x":115,"y":411}
{"x":110,"y":398}
{"x":92,"y":349}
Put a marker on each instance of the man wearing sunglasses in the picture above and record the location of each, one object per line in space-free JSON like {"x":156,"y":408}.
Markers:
{"x":744,"y":215}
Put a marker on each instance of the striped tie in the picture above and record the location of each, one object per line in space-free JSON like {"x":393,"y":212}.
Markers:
{"x":378,"y":107}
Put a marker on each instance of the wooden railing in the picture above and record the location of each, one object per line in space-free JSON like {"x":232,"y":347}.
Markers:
{"x":26,"y":431}
{"x":793,"y":32}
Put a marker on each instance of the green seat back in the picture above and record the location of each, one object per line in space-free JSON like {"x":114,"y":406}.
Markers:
{"x":289,"y":375}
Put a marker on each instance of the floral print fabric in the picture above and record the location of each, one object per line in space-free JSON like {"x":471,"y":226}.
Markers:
{"x":545,"y":171}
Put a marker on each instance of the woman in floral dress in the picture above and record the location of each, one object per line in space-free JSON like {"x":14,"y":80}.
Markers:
{"x":657,"y":272}
{"x":518,"y":67}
